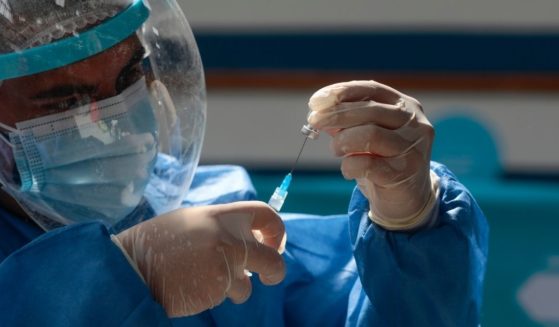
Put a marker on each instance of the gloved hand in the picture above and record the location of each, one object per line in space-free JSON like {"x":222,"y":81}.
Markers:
{"x":385,"y":141}
{"x":193,"y":258}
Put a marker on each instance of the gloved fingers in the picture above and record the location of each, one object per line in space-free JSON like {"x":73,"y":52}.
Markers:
{"x":270,"y":227}
{"x":265,"y":261}
{"x":350,"y":114}
{"x":370,"y":139}
{"x":240,"y":290}
{"x":242,"y":218}
{"x":353,"y":91}
{"x":370,"y":168}
{"x":382,"y":172}
{"x":260,"y":238}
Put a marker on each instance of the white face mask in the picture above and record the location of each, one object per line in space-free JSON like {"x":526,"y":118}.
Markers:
{"x":88,"y":163}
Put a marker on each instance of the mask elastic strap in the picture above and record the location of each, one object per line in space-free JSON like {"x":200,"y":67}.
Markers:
{"x":3,"y":137}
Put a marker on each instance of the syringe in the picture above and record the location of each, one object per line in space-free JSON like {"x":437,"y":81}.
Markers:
{"x":278,"y":198}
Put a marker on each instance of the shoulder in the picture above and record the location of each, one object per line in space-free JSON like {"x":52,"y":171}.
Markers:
{"x":220,"y":184}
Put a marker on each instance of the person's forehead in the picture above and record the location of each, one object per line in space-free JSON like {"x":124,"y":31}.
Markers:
{"x":113,"y":58}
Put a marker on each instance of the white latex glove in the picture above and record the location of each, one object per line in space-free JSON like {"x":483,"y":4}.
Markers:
{"x":193,"y":258}
{"x":385,"y":141}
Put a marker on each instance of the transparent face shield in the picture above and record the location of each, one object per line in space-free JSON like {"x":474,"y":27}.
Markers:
{"x":102,"y":115}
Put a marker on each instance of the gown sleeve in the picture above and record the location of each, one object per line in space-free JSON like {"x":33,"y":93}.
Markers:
{"x":74,"y":276}
{"x":359,"y":274}
{"x":428,"y":277}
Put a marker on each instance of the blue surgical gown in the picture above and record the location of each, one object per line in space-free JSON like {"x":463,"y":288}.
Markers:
{"x":341,"y":270}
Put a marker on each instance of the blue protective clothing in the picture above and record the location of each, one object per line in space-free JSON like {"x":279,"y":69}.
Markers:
{"x":338,"y":271}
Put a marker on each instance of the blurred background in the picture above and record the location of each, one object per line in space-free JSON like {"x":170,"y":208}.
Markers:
{"x":486,"y":71}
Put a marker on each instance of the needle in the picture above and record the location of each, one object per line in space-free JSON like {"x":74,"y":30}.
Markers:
{"x":299,"y":155}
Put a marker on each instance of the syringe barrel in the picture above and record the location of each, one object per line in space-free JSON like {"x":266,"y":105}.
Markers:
{"x":277,"y":199}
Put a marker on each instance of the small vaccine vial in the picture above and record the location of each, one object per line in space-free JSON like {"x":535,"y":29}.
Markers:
{"x":310,"y":132}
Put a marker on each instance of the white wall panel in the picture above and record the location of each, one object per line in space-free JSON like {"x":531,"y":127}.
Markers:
{"x":364,"y":14}
{"x":261,"y":128}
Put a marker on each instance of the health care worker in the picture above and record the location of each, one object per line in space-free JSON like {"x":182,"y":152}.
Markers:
{"x":106,"y":220}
